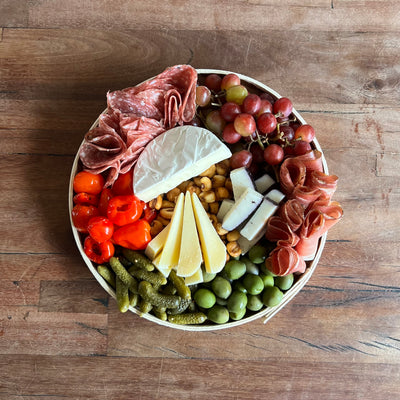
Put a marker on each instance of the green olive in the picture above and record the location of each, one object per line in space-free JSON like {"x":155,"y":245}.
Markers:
{"x":284,"y":282}
{"x":204,"y":298}
{"x":218,"y":314}
{"x":268,"y":280}
{"x":234,"y":269}
{"x":253,"y":284}
{"x":238,"y":285}
{"x":221,"y":287}
{"x":251,"y":268}
{"x":258,"y":254}
{"x":272,"y":296}
{"x":254,"y":302}
{"x":237,"y":301}
{"x":236,"y":316}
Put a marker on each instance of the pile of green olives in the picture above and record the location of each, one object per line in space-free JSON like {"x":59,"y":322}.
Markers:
{"x":244,"y":286}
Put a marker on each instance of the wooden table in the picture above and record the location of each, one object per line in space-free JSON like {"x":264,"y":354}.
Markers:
{"x":61,"y":336}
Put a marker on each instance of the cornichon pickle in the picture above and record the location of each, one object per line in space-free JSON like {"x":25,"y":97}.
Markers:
{"x":122,"y":293}
{"x":145,"y":306}
{"x":133,"y":299}
{"x":179,"y":283}
{"x":124,"y":261}
{"x":194,"y":318}
{"x":108,"y":275}
{"x":160,"y":312}
{"x":123,"y":274}
{"x":138,"y":259}
{"x":183,"y":305}
{"x":148,"y":293}
{"x":155,"y":278}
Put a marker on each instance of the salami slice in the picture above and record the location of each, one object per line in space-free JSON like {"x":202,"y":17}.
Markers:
{"x":137,"y":115}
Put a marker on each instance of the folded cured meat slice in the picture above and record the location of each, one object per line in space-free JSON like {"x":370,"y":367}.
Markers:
{"x":312,"y":161}
{"x":279,"y":231}
{"x":292,"y":213}
{"x":306,"y":195}
{"x":322,"y":181}
{"x":285,"y":260}
{"x":318,"y":220}
{"x":292,"y":173}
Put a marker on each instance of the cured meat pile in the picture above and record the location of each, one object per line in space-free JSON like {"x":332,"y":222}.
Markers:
{"x":134,"y":117}
{"x":307,"y":214}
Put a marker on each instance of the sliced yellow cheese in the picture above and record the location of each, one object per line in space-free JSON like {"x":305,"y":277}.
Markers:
{"x":197,"y":277}
{"x":213,"y":248}
{"x":164,"y":271}
{"x":156,"y":244}
{"x":190,"y":257}
{"x":170,"y":253}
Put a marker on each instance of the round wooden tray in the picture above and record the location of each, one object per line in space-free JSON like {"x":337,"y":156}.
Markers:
{"x":267,"y":313}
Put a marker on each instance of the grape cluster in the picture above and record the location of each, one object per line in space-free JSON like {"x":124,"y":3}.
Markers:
{"x":264,"y":125}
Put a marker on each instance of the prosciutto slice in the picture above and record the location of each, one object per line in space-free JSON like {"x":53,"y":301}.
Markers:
{"x":279,"y":231}
{"x":292,"y":213}
{"x":135,"y":116}
{"x":318,"y":220}
{"x":285,"y":260}
{"x":292,"y":173}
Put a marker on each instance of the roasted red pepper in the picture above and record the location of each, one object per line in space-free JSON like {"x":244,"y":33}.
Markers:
{"x":123,"y":210}
{"x":135,"y":236}
{"x":81,"y":214}
{"x":86,"y":198}
{"x":105,"y":196}
{"x":100,"y":229}
{"x":149,"y":214}
{"x":98,"y":252}
{"x":123,"y":186}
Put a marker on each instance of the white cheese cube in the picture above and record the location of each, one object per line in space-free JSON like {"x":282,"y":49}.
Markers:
{"x":263,"y":183}
{"x":242,"y":209}
{"x":241,"y":180}
{"x":224,"y":207}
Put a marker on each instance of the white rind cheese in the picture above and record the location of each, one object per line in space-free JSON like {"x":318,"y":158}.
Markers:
{"x":242,"y":209}
{"x":173,"y":157}
{"x":241,"y":180}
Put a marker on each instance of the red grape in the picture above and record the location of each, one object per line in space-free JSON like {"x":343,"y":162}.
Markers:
{"x":251,"y":104}
{"x":283,"y":107}
{"x":194,"y":122}
{"x":213,"y":82}
{"x":257,"y":152}
{"x":305,"y":132}
{"x":229,"y":111}
{"x":229,"y":81}
{"x":229,"y":134}
{"x":265,"y":106}
{"x":287,"y":132}
{"x":237,"y":94}
{"x":267,"y":96}
{"x":301,"y":147}
{"x":203,"y":96}
{"x":240,"y":159}
{"x":244,"y":124}
{"x":215,"y":122}
{"x":273,"y":154}
{"x":266,"y":123}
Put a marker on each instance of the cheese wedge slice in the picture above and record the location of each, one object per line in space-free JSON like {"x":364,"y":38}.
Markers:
{"x":170,"y":253}
{"x":164,"y":271}
{"x":157,"y":243}
{"x":213,"y":248}
{"x":157,"y":172}
{"x":197,"y":277}
{"x":190,"y":257}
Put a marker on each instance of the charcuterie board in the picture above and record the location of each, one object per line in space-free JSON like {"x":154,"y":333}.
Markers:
{"x":149,"y":186}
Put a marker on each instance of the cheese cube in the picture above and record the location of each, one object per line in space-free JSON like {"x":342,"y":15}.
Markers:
{"x":190,"y":257}
{"x":242,"y":209}
{"x":263,"y":183}
{"x":241,"y":180}
{"x":259,"y":219}
{"x":213,"y":248}
{"x":170,"y":253}
{"x":224,"y":207}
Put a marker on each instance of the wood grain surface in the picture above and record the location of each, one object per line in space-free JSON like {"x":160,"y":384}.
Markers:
{"x":62,"y":337}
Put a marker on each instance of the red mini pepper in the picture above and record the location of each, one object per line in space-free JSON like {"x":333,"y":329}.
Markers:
{"x":86,"y":199}
{"x":123,"y":210}
{"x":135,"y":236}
{"x":81,"y":214}
{"x":98,"y":252}
{"x":100,"y":229}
